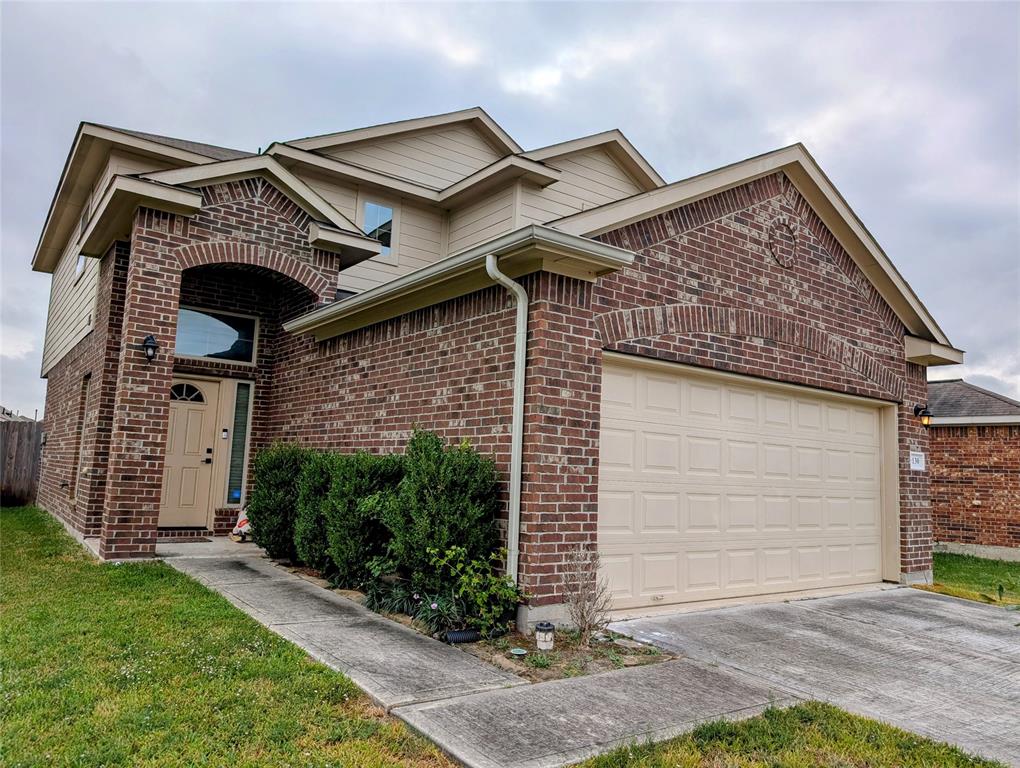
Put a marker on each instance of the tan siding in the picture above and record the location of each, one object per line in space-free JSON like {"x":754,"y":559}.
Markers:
{"x":343,"y":197}
{"x":590,"y":178}
{"x":72,"y":306}
{"x":436,"y":158}
{"x":73,"y":297}
{"x":486,"y":218}
{"x":418,"y":244}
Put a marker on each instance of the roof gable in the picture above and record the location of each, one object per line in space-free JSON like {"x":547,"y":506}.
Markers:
{"x":476,"y":117}
{"x":616,"y":145}
{"x":812,"y":183}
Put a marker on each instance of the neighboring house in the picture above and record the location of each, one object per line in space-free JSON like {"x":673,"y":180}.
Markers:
{"x":975,"y":469}
{"x":717,"y":389}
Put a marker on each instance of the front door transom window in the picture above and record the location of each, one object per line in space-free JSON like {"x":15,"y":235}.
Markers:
{"x":186,"y":392}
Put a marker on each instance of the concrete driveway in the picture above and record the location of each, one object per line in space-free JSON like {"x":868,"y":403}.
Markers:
{"x":940,"y":667}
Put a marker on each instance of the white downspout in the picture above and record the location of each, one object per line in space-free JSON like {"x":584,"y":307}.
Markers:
{"x":513,"y":528}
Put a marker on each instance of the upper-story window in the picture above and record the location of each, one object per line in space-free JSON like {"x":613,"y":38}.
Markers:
{"x":80,"y":266}
{"x":202,"y":333}
{"x":379,"y":224}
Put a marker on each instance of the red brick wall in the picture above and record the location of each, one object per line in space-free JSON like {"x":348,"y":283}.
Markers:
{"x":76,"y":493}
{"x":975,"y":484}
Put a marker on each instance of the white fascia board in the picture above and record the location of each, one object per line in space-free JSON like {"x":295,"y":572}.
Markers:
{"x":228,"y":170}
{"x":536,"y":246}
{"x":123,"y":196}
{"x":930,"y":353}
{"x":490,"y":128}
{"x":811,"y":182}
{"x":978,"y":421}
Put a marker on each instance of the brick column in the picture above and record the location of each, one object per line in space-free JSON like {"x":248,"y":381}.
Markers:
{"x":142,"y":400}
{"x":915,"y":501}
{"x":559,"y":495}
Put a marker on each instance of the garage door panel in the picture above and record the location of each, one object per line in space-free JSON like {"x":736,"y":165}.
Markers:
{"x":710,"y":488}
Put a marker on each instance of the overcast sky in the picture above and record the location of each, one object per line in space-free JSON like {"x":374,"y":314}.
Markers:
{"x":911,"y":109}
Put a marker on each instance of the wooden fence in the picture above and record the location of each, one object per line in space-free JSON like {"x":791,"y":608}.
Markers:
{"x":20,"y":449}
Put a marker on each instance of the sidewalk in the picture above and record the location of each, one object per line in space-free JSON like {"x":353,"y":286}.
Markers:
{"x":480,"y":715}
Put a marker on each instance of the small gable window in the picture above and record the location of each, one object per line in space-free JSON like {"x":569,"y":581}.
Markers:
{"x":202,"y":333}
{"x":379,"y":224}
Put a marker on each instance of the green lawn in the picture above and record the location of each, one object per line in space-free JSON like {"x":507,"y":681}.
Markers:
{"x":811,"y":734}
{"x":976,"y":578}
{"x":138,"y":665}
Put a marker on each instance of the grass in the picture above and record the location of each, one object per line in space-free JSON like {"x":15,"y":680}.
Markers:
{"x":811,"y":734}
{"x":976,"y":578}
{"x":138,"y":665}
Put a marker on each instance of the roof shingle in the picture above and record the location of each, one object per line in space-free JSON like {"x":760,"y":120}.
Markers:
{"x":955,"y":398}
{"x":206,"y":150}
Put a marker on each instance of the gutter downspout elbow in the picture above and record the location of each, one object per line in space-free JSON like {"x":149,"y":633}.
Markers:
{"x":513,"y":529}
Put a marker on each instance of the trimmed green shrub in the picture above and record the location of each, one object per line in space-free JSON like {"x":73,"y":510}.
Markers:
{"x":447,"y":498}
{"x":272,"y":505}
{"x":310,"y":540}
{"x":355,"y":532}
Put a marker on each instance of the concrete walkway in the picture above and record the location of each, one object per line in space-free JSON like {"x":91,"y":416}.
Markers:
{"x":941,"y":667}
{"x":483,"y":716}
{"x":393,"y":664}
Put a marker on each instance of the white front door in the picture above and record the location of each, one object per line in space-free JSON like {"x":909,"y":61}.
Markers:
{"x":725,"y":486}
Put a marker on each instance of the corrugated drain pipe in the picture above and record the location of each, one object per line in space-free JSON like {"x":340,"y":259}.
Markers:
{"x":513,"y":528}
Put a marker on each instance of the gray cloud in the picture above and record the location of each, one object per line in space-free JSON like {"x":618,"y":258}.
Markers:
{"x":912,"y":109}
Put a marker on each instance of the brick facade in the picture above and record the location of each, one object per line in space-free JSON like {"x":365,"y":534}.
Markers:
{"x":747,"y":281}
{"x":975,"y":484}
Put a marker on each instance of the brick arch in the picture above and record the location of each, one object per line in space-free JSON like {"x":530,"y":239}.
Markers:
{"x":646,"y":322}
{"x":231,"y":252}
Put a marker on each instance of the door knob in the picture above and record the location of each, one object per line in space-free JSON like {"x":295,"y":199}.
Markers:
{"x":207,"y":461}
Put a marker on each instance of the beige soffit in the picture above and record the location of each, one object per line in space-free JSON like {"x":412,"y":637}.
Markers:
{"x":813,"y":184}
{"x":352,"y":248}
{"x":522,"y":251}
{"x":489,"y":128}
{"x":616,"y":144}
{"x":86,"y":159}
{"x":925,"y":352}
{"x":113,"y":216}
{"x":977,"y":421}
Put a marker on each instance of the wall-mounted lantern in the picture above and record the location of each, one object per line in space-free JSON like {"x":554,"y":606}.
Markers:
{"x":922,"y":413}
{"x":149,"y":347}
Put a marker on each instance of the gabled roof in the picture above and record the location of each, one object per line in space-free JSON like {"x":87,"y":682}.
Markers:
{"x":206,"y":150}
{"x":477,"y":116}
{"x":802,"y":169}
{"x":954,"y":401}
{"x":616,"y":144}
{"x":259,"y":165}
{"x":89,"y":151}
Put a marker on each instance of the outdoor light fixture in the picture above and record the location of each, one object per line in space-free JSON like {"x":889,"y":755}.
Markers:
{"x":544,"y":636}
{"x":149,"y":347}
{"x":922,"y":412}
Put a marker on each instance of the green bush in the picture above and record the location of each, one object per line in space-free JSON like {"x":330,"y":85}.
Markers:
{"x":355,"y":532}
{"x":448,"y":497}
{"x":272,"y":504}
{"x":489,"y":598}
{"x":310,"y":540}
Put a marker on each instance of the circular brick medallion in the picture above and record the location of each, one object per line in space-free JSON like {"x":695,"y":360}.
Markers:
{"x":782,"y":242}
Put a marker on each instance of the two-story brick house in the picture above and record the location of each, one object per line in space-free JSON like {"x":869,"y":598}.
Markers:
{"x":713,"y":381}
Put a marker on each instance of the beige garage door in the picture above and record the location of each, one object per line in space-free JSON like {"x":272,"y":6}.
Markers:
{"x":721,"y":486}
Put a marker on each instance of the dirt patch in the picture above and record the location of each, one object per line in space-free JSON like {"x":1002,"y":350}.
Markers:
{"x":568,"y":658}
